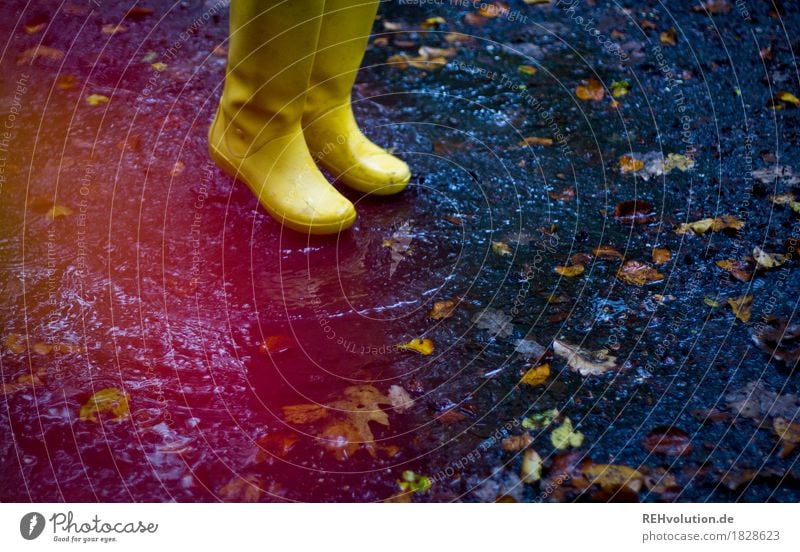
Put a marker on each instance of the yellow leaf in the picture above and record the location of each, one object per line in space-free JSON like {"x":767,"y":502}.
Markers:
{"x":110,"y":400}
{"x":564,"y":436}
{"x":638,"y":273}
{"x":592,"y":91}
{"x":613,"y":477}
{"x":742,"y":307}
{"x":714,"y":224}
{"x":97,"y":99}
{"x":570,"y":271}
{"x":158,"y":66}
{"x":531,"y":469}
{"x":422,"y":346}
{"x":304,"y":413}
{"x":111,"y":28}
{"x":58,"y":211}
{"x":360,"y":406}
{"x":628,"y":163}
{"x":536,"y":375}
{"x":501,"y":248}
{"x":788,"y":97}
{"x":527,"y":69}
{"x":15,"y":343}
{"x":768,"y":260}
{"x":443,"y":309}
{"x":661,"y":255}
{"x":669,"y":37}
{"x":433,"y":22}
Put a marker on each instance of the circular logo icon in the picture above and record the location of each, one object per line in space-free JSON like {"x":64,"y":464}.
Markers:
{"x":31,"y":525}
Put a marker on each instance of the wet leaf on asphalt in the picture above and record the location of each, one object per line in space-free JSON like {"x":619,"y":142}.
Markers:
{"x":570,"y":271}
{"x":586,"y":363}
{"x":768,"y":260}
{"x":423,"y":346}
{"x":714,"y":224}
{"x":566,"y":194}
{"x":443,"y":309}
{"x":531,"y":469}
{"x":669,"y":37}
{"x":713,"y":7}
{"x":789,"y":434}
{"x":742,"y":306}
{"x":614,"y":477}
{"x":758,"y":403}
{"x":516,"y":443}
{"x":540,"y":420}
{"x":536,"y":141}
{"x":564,"y":436}
{"x":536,"y":376}
{"x":107,"y":401}
{"x":620,"y":88}
{"x":360,"y":406}
{"x":592,"y":90}
{"x":634,"y":211}
{"x":606,"y":253}
{"x":59,"y":211}
{"x":273,"y":344}
{"x":654,"y":164}
{"x":780,"y":339}
{"x":661,"y":255}
{"x":501,"y":248}
{"x":241,"y":489}
{"x":638,"y":273}
{"x":25,"y":381}
{"x":278,"y":444}
{"x":668,"y":440}
{"x":741,"y":270}
{"x":494,"y":321}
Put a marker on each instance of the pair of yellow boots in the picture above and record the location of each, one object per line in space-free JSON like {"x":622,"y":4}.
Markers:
{"x":286,"y":107}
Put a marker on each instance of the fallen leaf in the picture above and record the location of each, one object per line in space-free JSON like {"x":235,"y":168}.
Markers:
{"x":769,"y":175}
{"x":275,"y":443}
{"x":714,"y":224}
{"x":360,"y":406}
{"x":620,"y":88}
{"x":501,"y":248}
{"x":531,"y":469}
{"x":516,"y":443}
{"x":33,"y":28}
{"x":628,"y":163}
{"x":784,"y":98}
{"x":570,"y":271}
{"x":443,"y":309}
{"x":661,"y":255}
{"x":66,"y":82}
{"x":494,"y":321}
{"x":540,"y":420}
{"x":399,"y":398}
{"x":113,"y":28}
{"x":274,"y":344}
{"x":431,"y":52}
{"x":529,"y":348}
{"x":422,"y":346}
{"x":58,"y":211}
{"x":606,"y":252}
{"x":158,"y":66}
{"x":779,"y":339}
{"x":241,"y":489}
{"x":304,"y":413}
{"x":591,"y":91}
{"x":742,"y":307}
{"x":713,"y":7}
{"x":493,"y":9}
{"x":638,"y":273}
{"x":15,"y":343}
{"x":527,"y":70}
{"x":789,"y":434}
{"x":634,"y":211}
{"x":614,"y":477}
{"x":96,"y":99}
{"x":139,"y":12}
{"x":413,"y":482}
{"x":42,"y":348}
{"x":768,"y":260}
{"x":586,"y":363}
{"x":741,"y":270}
{"x":564,"y":436}
{"x":536,"y":375}
{"x":756,"y":402}
{"x":108,"y":401}
{"x":25,"y":381}
{"x":567,"y":194}
{"x":669,"y":37}
{"x":668,"y":440}
{"x":40,"y":51}
{"x":536,"y":141}
{"x":400,"y":245}
{"x":433,"y":22}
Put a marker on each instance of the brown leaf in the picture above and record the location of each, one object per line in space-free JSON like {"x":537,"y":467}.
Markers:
{"x":780,"y":339}
{"x":668,"y":440}
{"x":242,"y":489}
{"x":277,"y":444}
{"x":591,"y":91}
{"x":40,"y":51}
{"x":758,"y":403}
{"x":638,"y":273}
{"x":789,"y":434}
{"x":614,"y":477}
{"x":661,"y":255}
{"x":536,"y":141}
{"x":607,"y":253}
{"x":713,"y":7}
{"x":276,"y":344}
{"x":669,"y":37}
{"x":304,"y":413}
{"x":443,"y":309}
{"x":586,"y":363}
{"x":360,"y":406}
{"x":768,"y":260}
{"x":741,"y":270}
{"x":629,"y":163}
{"x":742,"y":306}
{"x":634,"y":211}
{"x":516,"y":443}
{"x":570,"y":271}
{"x":714,"y":224}
{"x":567,"y":194}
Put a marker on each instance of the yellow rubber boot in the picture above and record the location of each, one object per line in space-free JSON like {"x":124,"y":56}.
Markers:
{"x":330,"y":128}
{"x":257,"y":133}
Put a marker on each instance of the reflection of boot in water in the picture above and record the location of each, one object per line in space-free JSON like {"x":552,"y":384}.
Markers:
{"x":257,"y":135}
{"x":330,"y":128}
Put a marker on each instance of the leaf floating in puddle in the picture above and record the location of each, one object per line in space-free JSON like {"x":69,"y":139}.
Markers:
{"x":25,"y":381}
{"x":36,"y":52}
{"x":96,"y":99}
{"x":400,"y":399}
{"x":536,"y":376}
{"x":586,"y":363}
{"x":638,"y":273}
{"x":361,"y":405}
{"x":276,"y":344}
{"x":58,"y":211}
{"x":422,"y":346}
{"x":400,"y":245}
{"x":742,"y":307}
{"x":304,"y":413}
{"x":653,"y":164}
{"x":242,"y":489}
{"x":15,"y":343}
{"x":108,"y":401}
{"x":564,"y":436}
